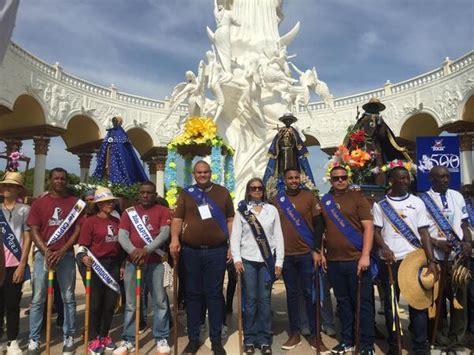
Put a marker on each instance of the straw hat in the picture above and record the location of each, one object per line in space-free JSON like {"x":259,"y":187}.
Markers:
{"x":373,"y":106}
{"x":103,"y":194}
{"x":13,"y":178}
{"x":418,"y":289}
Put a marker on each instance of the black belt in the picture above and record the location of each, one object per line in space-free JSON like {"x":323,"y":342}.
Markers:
{"x":204,"y":247}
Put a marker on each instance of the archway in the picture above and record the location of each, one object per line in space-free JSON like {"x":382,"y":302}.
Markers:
{"x":419,"y":125}
{"x":141,"y":140}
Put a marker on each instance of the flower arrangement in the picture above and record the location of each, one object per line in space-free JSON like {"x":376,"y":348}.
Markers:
{"x":358,"y":163}
{"x":120,"y":190}
{"x":199,"y":132}
{"x":13,"y":161}
{"x":396,"y":163}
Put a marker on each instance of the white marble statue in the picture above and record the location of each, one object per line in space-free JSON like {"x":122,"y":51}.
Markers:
{"x":191,"y":89}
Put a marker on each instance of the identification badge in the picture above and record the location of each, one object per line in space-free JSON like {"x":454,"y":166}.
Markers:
{"x":205,"y":212}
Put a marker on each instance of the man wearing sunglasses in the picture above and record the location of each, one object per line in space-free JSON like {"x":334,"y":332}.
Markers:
{"x":347,"y":244}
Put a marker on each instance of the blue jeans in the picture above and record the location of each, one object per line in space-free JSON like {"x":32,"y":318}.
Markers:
{"x":298,"y":270}
{"x":343,"y":277}
{"x":65,"y":273}
{"x":204,"y":280}
{"x":258,"y":292}
{"x":418,"y":319}
{"x":152,"y":276}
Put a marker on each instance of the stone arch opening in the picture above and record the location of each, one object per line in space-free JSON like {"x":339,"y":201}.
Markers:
{"x":468,"y":110}
{"x":81,"y":131}
{"x":4,"y":110}
{"x":311,"y":140}
{"x":141,"y":140}
{"x":27,"y":112}
{"x":419,"y":125}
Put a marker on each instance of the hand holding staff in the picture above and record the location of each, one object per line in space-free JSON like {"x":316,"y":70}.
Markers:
{"x":175,"y":305}
{"x":88,"y":306}
{"x":396,"y":318}
{"x":49,"y":309}
{"x":239,"y":312}
{"x":138,"y":295}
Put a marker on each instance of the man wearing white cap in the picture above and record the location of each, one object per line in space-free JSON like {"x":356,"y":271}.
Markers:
{"x":401,"y":227}
{"x":449,"y":230}
{"x":16,"y":246}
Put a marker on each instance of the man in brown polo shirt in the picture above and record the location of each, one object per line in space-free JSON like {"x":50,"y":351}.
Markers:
{"x":348,"y":242}
{"x":300,"y":218}
{"x":203,"y":220}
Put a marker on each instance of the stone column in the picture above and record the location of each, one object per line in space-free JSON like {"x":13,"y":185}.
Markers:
{"x":41,"y":145}
{"x":466,"y":148}
{"x":85,"y":164}
{"x":160,"y":175}
{"x":152,"y":170}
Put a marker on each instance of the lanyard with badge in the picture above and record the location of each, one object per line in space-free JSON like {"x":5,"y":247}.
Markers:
{"x":204,"y":210}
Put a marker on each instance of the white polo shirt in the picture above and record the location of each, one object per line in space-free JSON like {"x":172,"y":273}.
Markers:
{"x":413,"y":212}
{"x":454,"y":210}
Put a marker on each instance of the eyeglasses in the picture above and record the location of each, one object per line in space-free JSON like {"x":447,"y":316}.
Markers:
{"x":339,"y":178}
{"x":256,"y":188}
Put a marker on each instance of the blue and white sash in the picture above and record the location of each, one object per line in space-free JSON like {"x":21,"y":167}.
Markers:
{"x":100,"y":271}
{"x":12,"y":243}
{"x":141,"y":229}
{"x":399,"y":224}
{"x":201,"y":198}
{"x":470,"y":213}
{"x":347,"y":229}
{"x":442,"y":223}
{"x":296,"y":219}
{"x":67,"y":222}
{"x":261,"y":240}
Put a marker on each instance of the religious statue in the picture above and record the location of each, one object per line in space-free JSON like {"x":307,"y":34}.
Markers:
{"x":215,"y":78}
{"x":193,"y":90}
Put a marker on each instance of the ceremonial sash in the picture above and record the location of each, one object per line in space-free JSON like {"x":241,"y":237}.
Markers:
{"x":261,"y":240}
{"x":399,"y":224}
{"x":347,"y":229}
{"x":141,"y":229}
{"x":12,"y":244}
{"x":201,"y":198}
{"x":470,"y":213}
{"x":67,"y":222}
{"x":442,"y":223}
{"x":100,"y":271}
{"x":296,"y":219}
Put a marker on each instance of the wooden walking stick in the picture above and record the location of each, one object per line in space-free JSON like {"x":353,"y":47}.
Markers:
{"x":440,"y":299}
{"x":395,"y":315}
{"x":318,"y":311}
{"x":49,"y":309}
{"x":138,"y":295}
{"x":87,"y":315}
{"x":239,"y":312}
{"x":175,"y":305}
{"x":357,"y":315}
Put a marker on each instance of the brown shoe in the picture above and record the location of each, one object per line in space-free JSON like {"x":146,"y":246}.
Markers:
{"x":322,"y":348}
{"x":292,"y":342}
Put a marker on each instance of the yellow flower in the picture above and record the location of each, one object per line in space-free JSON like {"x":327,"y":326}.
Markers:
{"x":172,"y":165}
{"x":214,"y":177}
{"x":384,"y":168}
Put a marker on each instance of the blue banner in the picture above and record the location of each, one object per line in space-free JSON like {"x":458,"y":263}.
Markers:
{"x":434,"y":151}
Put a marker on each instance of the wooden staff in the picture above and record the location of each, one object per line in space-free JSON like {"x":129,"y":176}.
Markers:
{"x":88,"y":306}
{"x":49,"y":309}
{"x":239,"y":312}
{"x":439,"y":301}
{"x":396,"y":319}
{"x":138,"y":295}
{"x":175,"y":305}
{"x":318,"y":311}
{"x":357,"y":315}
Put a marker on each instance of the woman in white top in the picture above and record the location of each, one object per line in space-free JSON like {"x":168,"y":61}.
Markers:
{"x":259,"y":272}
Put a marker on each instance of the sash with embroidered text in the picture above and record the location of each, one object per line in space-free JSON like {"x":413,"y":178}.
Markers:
{"x":347,"y":229}
{"x":67,"y":223}
{"x":201,"y":198}
{"x":470,"y":213}
{"x":11,"y":242}
{"x":141,"y":229}
{"x":399,"y":224}
{"x":295,"y":218}
{"x":100,"y":271}
{"x":442,"y":223}
{"x":261,"y":239}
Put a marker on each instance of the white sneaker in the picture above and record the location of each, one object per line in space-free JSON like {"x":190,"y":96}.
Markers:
{"x":127,"y":344}
{"x":68,"y":345}
{"x":13,"y":348}
{"x":33,"y":347}
{"x":162,"y":347}
{"x":224,"y":332}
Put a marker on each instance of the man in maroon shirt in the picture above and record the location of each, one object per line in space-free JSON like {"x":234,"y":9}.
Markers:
{"x":48,"y":219}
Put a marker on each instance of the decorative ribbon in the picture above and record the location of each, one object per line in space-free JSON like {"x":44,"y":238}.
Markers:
{"x":395,"y":311}
{"x":442,"y":223}
{"x":12,"y":243}
{"x":50,"y":282}
{"x":67,"y":222}
{"x":141,"y":229}
{"x":399,"y":224}
{"x":201,"y":198}
{"x":347,"y":230}
{"x":88,"y":281}
{"x":138,"y":288}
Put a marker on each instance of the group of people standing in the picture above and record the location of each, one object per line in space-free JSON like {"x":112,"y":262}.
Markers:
{"x":341,"y":238}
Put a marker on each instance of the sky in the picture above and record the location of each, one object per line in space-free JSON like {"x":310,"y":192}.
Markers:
{"x":145,"y":46}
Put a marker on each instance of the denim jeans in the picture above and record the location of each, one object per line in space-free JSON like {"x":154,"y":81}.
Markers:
{"x":152,"y":276}
{"x":298,"y":274}
{"x":258,"y":292}
{"x":343,"y":277}
{"x":65,"y":273}
{"x":205,"y":270}
{"x":418,"y":319}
